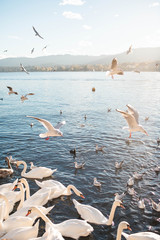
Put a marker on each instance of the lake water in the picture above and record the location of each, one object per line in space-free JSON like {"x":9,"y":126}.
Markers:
{"x":72,"y":93}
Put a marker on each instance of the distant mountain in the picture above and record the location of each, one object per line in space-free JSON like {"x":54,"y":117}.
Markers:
{"x":138,"y":55}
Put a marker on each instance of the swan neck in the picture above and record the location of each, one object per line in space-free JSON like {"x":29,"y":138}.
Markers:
{"x":24,"y":168}
{"x":71,"y":187}
{"x":24,"y":181}
{"x":22,"y":196}
{"x":9,"y":165}
{"x":112,"y":212}
{"x":6,"y":211}
{"x":119,"y":232}
{"x":43,"y":216}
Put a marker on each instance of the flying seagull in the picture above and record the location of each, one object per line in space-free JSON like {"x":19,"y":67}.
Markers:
{"x":36,"y":33}
{"x":44,"y":48}
{"x":132,"y":118}
{"x":114,"y":70}
{"x":24,"y":97}
{"x":11,"y":91}
{"x":51,"y":131}
{"x":32,"y":50}
{"x":23,"y":69}
{"x":129,"y":50}
{"x":5,"y":50}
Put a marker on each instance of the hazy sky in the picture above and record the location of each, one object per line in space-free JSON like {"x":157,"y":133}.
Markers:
{"x":91,"y":27}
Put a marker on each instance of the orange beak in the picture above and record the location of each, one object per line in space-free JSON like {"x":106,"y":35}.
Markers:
{"x":81,"y":195}
{"x":128,"y":227}
{"x":15,"y":187}
{"x":29,"y":212}
{"x":121,"y":205}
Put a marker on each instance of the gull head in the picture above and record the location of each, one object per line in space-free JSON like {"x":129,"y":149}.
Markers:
{"x":141,"y":129}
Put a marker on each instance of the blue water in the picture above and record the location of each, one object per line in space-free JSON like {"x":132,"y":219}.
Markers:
{"x":72,"y":93}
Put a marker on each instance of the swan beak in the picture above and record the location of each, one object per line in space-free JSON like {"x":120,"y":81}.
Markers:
{"x":121,"y":205}
{"x":128,"y":227}
{"x":15,"y":187}
{"x":29,"y":212}
{"x":81,"y":195}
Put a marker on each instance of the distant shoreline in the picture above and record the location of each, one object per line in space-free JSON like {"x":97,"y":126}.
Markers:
{"x":130,"y":67}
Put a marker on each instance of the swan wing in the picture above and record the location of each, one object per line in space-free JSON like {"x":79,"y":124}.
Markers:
{"x":49,"y":183}
{"x":45,"y":123}
{"x":132,"y":123}
{"x":90,"y":214}
{"x":142,"y":236}
{"x":134,"y":112}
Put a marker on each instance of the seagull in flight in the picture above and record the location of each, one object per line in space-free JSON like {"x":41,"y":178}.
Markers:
{"x":32,"y":50}
{"x":11,"y":91}
{"x":51,"y":131}
{"x":23,"y":69}
{"x":5,"y":50}
{"x":114,"y":70}
{"x":36,"y":33}
{"x":132,"y":118}
{"x":44,"y":48}
{"x":129,"y":50}
{"x":24,"y":97}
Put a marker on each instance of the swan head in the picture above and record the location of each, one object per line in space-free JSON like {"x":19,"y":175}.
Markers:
{"x":125,"y":225}
{"x":118,"y":203}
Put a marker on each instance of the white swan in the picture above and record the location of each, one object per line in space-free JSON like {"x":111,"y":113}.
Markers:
{"x":139,"y":235}
{"x":5,"y":172}
{"x":39,"y":172}
{"x":7,"y":186}
{"x":39,"y":198}
{"x":58,"y":189}
{"x":93,"y":215}
{"x":50,"y":234}
{"x":122,"y":225}
{"x":73,"y":228}
{"x":12,"y":222}
{"x":24,"y":233}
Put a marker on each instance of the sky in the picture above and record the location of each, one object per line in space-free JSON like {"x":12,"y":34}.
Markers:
{"x":78,"y":27}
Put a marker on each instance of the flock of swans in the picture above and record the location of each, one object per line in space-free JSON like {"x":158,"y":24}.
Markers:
{"x":21,"y":223}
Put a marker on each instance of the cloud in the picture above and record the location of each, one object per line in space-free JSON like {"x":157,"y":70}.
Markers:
{"x":72,"y":15}
{"x":14,"y":37}
{"x":116,"y":15}
{"x":155,"y":4}
{"x":72,"y":2}
{"x":85,"y":43}
{"x":87,"y":27}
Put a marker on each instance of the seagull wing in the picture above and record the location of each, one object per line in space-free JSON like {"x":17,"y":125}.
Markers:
{"x":10,"y":88}
{"x":154,"y":205}
{"x":114,"y":64}
{"x":129,"y":118}
{"x":37,"y":32}
{"x":45,"y":123}
{"x":60,"y":125}
{"x":134,"y":112}
{"x":29,"y":94}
